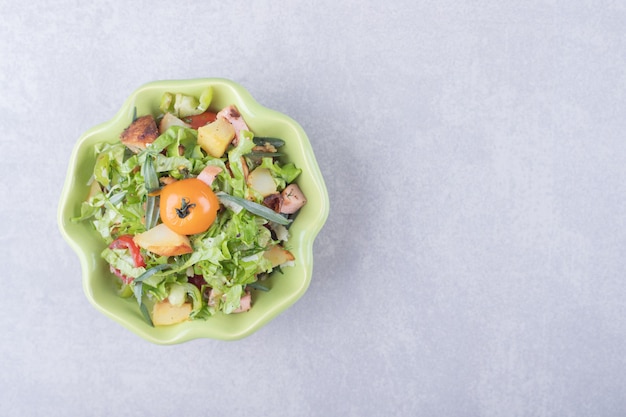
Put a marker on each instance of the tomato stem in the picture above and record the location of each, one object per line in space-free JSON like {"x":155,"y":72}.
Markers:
{"x":183,"y":211}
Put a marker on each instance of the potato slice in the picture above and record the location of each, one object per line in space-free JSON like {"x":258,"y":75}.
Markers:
{"x":94,"y":189}
{"x":140,"y":133}
{"x":163,"y":241}
{"x":165,"y":314}
{"x":170,"y":120}
{"x":261,"y":181}
{"x":278,"y":255}
{"x":215,"y":137}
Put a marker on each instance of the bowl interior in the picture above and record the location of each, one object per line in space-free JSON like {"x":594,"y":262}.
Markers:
{"x":285,"y":288}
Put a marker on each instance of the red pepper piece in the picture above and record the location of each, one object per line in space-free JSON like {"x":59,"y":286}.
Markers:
{"x":126,"y":242}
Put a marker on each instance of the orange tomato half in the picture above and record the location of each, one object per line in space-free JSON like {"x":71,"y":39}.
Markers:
{"x":188,"y":206}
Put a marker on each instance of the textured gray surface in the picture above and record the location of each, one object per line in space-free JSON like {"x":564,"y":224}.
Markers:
{"x":473,"y":260}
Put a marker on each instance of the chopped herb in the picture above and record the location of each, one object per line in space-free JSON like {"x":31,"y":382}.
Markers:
{"x":255,"y":208}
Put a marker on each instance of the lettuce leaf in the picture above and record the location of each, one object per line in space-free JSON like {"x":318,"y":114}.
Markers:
{"x":121,"y":260}
{"x":244,"y":146}
{"x":283,"y":174}
{"x":183,"y":105}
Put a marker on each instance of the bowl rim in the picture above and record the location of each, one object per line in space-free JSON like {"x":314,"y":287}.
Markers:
{"x":246,"y":104}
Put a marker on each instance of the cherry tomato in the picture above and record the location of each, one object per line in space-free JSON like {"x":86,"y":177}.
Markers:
{"x":188,"y":206}
{"x":201,"y":119}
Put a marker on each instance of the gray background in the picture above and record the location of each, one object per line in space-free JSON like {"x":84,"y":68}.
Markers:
{"x":473,"y":260}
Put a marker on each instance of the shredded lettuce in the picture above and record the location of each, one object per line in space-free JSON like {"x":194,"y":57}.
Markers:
{"x":283,"y":174}
{"x":237,"y":182}
{"x":120,"y":260}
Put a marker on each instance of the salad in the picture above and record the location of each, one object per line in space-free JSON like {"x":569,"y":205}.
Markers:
{"x":193,"y":208}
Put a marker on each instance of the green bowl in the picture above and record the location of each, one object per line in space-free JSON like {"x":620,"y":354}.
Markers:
{"x":285,"y":288}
